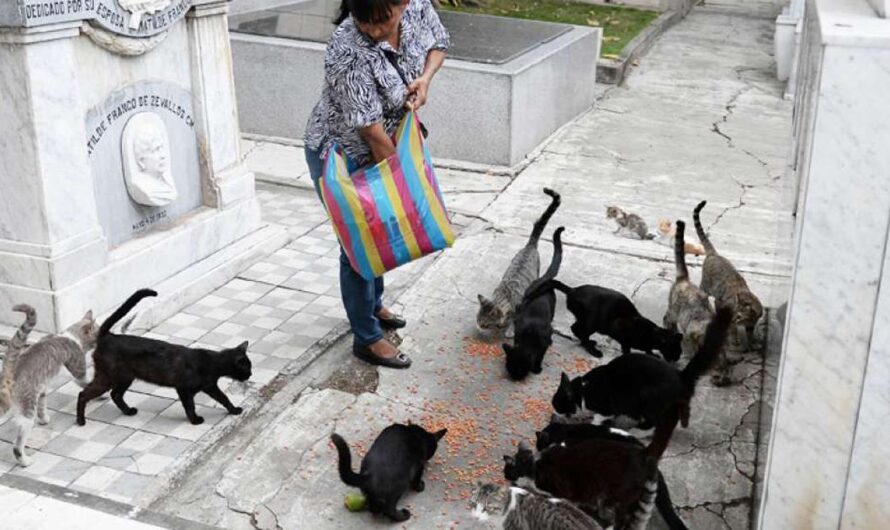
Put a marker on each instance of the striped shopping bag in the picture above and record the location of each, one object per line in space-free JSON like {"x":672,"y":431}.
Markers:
{"x":391,"y":213}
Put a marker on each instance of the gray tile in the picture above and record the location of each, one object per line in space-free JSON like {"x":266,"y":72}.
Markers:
{"x":172,"y":447}
{"x":130,"y":485}
{"x":68,"y":470}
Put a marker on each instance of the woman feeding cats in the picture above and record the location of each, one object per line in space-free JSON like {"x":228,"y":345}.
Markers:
{"x":380,"y":60}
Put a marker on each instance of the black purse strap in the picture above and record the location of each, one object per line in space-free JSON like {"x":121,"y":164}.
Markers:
{"x":391,"y":57}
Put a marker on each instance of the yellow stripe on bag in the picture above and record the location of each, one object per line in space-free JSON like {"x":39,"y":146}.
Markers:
{"x":355,"y":206}
{"x":396,"y":201}
{"x":431,"y":197}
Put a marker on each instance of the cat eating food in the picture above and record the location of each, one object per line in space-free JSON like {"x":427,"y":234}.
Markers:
{"x":120,"y":359}
{"x":533,"y":325}
{"x":560,"y":433}
{"x":615,"y":481}
{"x":640,"y":386}
{"x":28,"y":369}
{"x":630,"y":225}
{"x":496,"y":314}
{"x":689,"y":308}
{"x":602,"y":310}
{"x":522,"y":509}
{"x":395,"y":462}
{"x":720,"y":279}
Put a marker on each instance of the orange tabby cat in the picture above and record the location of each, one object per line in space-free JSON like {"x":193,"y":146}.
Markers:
{"x":666,"y":233}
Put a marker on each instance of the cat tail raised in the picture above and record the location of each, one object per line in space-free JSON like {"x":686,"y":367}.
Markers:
{"x":704,"y":358}
{"x":16,"y":345}
{"x":548,"y":280}
{"x":125,"y":308}
{"x":680,"y":251}
{"x":666,"y":506}
{"x":345,"y":463}
{"x":699,"y":229}
{"x":541,"y":223}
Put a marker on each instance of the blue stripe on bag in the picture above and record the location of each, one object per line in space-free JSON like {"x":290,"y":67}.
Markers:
{"x":388,"y":215}
{"x":417,"y":193}
{"x":333,"y":185}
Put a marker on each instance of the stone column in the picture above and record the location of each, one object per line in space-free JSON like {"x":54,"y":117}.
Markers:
{"x":50,"y":236}
{"x":829,"y":452}
{"x":227,"y":179}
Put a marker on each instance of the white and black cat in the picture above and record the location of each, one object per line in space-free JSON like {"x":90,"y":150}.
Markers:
{"x":614,"y":481}
{"x":640,"y":386}
{"x":533,"y":324}
{"x":120,"y":359}
{"x":496,"y":315}
{"x":558,"y":432}
{"x":515,"y":508}
{"x":28,"y":369}
{"x":394,"y":463}
{"x":602,"y":310}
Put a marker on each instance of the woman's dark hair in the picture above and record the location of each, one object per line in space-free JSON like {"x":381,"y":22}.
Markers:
{"x":366,"y":11}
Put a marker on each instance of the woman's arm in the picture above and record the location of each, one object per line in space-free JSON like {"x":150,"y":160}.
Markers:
{"x":381,"y":145}
{"x":419,"y":89}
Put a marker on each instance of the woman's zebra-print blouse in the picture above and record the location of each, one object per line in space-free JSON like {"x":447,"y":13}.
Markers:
{"x":362,"y":88}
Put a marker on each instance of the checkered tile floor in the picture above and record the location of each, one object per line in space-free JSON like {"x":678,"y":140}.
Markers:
{"x":282,"y":305}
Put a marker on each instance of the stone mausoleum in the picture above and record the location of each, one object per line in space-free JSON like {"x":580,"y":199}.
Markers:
{"x":119,"y":157}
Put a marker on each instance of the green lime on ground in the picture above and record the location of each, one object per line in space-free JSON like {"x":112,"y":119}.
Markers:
{"x":355,"y":502}
{"x":620,"y":24}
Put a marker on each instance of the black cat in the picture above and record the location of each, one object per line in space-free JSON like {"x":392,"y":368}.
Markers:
{"x":601,"y":310}
{"x":120,"y":359}
{"x":640,"y":386}
{"x":613,"y":480}
{"x":533,"y":324}
{"x":395,"y":461}
{"x":568,"y":434}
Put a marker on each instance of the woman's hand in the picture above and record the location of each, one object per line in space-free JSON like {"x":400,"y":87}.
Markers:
{"x":418,"y":90}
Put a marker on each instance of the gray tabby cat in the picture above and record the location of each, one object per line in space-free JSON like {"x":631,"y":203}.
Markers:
{"x":629,"y":224}
{"x":27,"y":370}
{"x":522,"y":509}
{"x":722,"y":281}
{"x":495,"y":315}
{"x":689,"y":308}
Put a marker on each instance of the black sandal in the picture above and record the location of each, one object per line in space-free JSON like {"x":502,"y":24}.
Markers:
{"x":393,"y":322}
{"x":364,"y":353}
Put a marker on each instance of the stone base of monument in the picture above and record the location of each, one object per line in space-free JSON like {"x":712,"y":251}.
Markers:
{"x":507,"y":85}
{"x":119,"y":158}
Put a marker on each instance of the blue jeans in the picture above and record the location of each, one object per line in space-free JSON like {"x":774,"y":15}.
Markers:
{"x":362,"y":298}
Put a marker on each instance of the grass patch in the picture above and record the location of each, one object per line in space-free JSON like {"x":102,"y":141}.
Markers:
{"x":620,"y":24}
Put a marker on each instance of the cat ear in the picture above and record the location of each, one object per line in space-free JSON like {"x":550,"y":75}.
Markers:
{"x":482,"y":300}
{"x":440,"y":434}
{"x":507,"y":348}
{"x":564,"y":380}
{"x":242,"y":346}
{"x":88,"y":315}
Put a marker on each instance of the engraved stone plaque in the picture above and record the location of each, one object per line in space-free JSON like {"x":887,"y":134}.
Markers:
{"x":132,"y":18}
{"x":144,"y":153}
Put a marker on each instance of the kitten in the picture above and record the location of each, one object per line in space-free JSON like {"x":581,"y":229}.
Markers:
{"x":521,"y":509}
{"x":629,"y":224}
{"x":120,"y":359}
{"x":396,"y":460}
{"x":495,"y":315}
{"x":722,"y":281}
{"x":615,"y":481}
{"x":568,"y":434}
{"x":689,"y":308}
{"x":601,"y":310}
{"x":639,"y":386}
{"x":533,"y":325}
{"x":666,"y":235}
{"x":27,"y":371}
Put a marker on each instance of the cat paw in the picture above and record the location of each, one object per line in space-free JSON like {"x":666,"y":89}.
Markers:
{"x":22,"y":459}
{"x":419,"y":486}
{"x":236,"y":410}
{"x":402,"y":515}
{"x":42,"y":420}
{"x":131,"y":411}
{"x":81,"y":421}
{"x":197,"y":420}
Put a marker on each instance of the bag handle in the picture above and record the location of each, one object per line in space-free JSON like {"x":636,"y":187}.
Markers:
{"x":391,"y":57}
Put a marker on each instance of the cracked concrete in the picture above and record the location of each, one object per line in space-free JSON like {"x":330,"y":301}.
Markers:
{"x":648,"y":146}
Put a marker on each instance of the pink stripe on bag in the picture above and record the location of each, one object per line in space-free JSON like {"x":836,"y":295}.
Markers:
{"x":378,"y":230}
{"x":423,"y":241}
